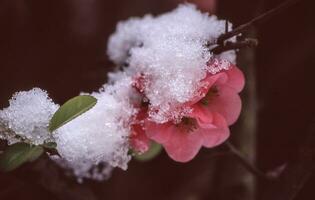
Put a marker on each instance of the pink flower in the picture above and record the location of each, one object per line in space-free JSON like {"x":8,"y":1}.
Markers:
{"x":139,"y":82}
{"x":139,"y":141}
{"x":182,"y":141}
{"x":220,"y":94}
{"x":217,"y":106}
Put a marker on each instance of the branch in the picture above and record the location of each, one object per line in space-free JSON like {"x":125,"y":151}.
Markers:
{"x":297,"y":172}
{"x":248,"y":42}
{"x":222,"y":46}
{"x":255,"y":21}
{"x":7,"y":132}
{"x":249,"y":166}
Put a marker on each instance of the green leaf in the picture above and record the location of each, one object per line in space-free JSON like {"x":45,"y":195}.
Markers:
{"x":155,"y":150}
{"x":50,"y":145}
{"x":34,"y":153}
{"x":13,"y":156}
{"x":17,"y":154}
{"x":70,"y":110}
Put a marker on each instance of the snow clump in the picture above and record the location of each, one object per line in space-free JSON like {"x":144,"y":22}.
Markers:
{"x":172,"y":51}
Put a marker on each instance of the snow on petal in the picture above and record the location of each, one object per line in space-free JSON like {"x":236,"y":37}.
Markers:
{"x":172,"y":51}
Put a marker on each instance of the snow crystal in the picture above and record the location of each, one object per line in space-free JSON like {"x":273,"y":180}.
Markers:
{"x":95,"y":142}
{"x":218,"y":65}
{"x":172,"y":51}
{"x":27,"y":117}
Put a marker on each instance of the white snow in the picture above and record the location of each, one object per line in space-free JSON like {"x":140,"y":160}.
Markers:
{"x":172,"y":51}
{"x":28,"y":116}
{"x":99,"y":136}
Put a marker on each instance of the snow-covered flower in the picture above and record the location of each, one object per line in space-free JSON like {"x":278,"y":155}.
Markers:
{"x":171,"y":51}
{"x":139,"y":141}
{"x":172,"y":90}
{"x":217,"y":106}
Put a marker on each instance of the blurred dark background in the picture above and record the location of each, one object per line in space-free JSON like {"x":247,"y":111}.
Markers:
{"x":60,"y":46}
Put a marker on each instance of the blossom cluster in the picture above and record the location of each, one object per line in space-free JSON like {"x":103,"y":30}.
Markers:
{"x":188,"y":96}
{"x":168,"y":88}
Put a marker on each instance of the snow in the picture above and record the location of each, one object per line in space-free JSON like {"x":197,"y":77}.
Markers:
{"x":172,"y":51}
{"x":28,"y":116}
{"x":99,"y":136}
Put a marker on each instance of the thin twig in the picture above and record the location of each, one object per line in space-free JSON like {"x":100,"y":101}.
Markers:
{"x":249,"y":166}
{"x":5,"y":132}
{"x":297,"y":172}
{"x":248,"y":42}
{"x":255,"y":21}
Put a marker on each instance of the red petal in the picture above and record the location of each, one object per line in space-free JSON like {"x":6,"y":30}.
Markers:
{"x":217,"y":134}
{"x":159,"y":132}
{"x":203,"y":116}
{"x":207,"y":83}
{"x":227,"y":103}
{"x":183,"y":147}
{"x":139,"y":142}
{"x":236,"y":78}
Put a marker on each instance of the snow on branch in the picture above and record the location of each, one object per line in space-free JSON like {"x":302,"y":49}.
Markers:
{"x":169,"y":71}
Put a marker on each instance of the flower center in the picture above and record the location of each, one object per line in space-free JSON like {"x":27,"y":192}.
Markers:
{"x":212,"y":93}
{"x":187,"y":124}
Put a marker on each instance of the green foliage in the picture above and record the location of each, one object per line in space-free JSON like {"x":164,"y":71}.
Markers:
{"x":70,"y":110}
{"x":154,"y":151}
{"x":50,"y":145}
{"x":34,"y":153}
{"x":17,"y":154}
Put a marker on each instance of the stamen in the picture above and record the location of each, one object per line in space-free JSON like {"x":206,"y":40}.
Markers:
{"x":212,"y":93}
{"x":187,"y":124}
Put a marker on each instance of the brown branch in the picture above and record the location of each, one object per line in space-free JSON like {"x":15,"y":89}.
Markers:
{"x":5,"y":131}
{"x":248,"y":42}
{"x":249,"y":166}
{"x":226,"y":46}
{"x":255,"y":21}
{"x":296,"y":173}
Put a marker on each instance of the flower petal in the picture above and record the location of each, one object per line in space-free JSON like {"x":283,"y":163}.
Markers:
{"x":203,"y":116}
{"x":227,"y":103}
{"x":183,"y":147}
{"x":159,"y":132}
{"x":138,"y":139}
{"x":217,"y":134}
{"x":206,"y":84}
{"x":236,"y":78}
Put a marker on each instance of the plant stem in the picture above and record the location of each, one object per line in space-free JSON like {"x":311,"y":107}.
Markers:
{"x":222,"y":46}
{"x":248,"y":165}
{"x":255,"y":21}
{"x":248,"y":42}
{"x":297,"y":171}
